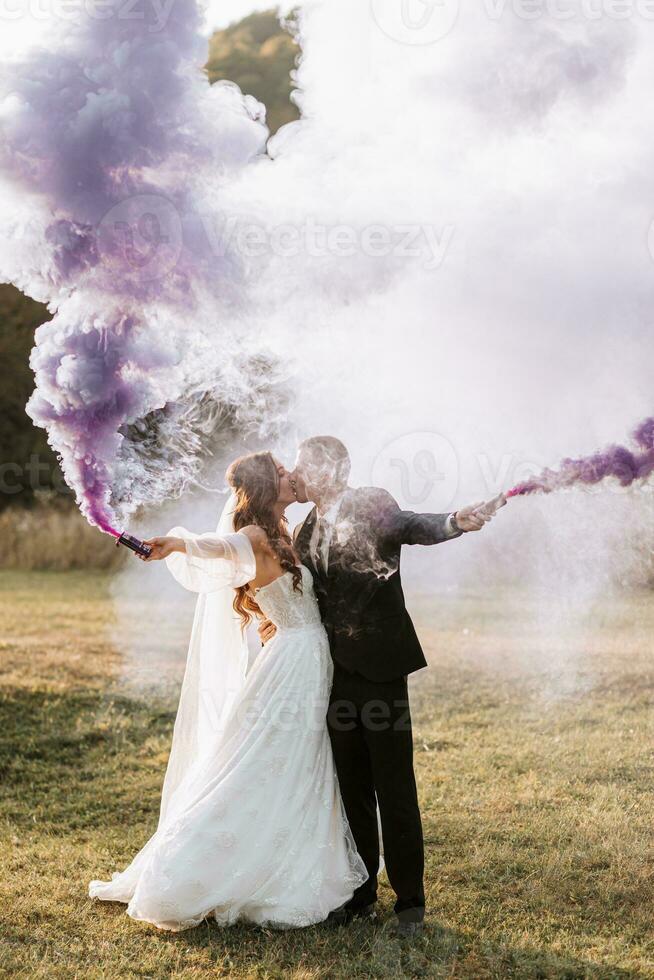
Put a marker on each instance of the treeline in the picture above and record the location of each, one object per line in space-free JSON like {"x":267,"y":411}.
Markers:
{"x":28,"y":467}
{"x":259,"y":55}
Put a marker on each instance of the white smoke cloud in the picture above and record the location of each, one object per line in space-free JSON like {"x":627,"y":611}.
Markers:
{"x":539,"y":183}
{"x":453,"y":242}
{"x":523,"y":146}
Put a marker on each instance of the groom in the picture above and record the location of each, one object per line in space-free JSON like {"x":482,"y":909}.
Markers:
{"x":351,"y":542}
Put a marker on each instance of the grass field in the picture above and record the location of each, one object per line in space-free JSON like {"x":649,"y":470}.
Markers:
{"x":536,"y":774}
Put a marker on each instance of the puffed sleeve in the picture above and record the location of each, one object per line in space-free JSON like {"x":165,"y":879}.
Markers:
{"x":212,"y":561}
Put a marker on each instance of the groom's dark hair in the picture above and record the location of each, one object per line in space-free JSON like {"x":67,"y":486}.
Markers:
{"x":329,"y":451}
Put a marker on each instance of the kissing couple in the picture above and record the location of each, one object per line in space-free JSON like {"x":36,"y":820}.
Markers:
{"x":279,"y":763}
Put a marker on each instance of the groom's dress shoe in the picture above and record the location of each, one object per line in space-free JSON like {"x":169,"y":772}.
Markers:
{"x":344,"y":915}
{"x":407,"y":930}
{"x":409,"y":923}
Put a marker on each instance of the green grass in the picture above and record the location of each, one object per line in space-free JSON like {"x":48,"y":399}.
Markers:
{"x":535,"y":763}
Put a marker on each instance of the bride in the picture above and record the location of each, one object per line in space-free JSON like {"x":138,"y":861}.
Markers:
{"x":252,"y":826}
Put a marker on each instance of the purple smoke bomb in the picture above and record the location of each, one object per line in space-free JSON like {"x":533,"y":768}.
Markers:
{"x":134,"y":544}
{"x":618,"y":462}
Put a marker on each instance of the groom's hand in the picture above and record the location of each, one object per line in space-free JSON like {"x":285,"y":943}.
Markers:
{"x":266,"y":631}
{"x":472,"y":518}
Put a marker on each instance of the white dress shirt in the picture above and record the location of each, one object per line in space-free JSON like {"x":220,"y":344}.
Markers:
{"x":326,"y":519}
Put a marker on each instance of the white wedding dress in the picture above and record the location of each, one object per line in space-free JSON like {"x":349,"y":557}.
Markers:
{"x":252,"y":825}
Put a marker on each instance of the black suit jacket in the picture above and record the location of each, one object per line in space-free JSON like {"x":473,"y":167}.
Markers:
{"x":361,"y":598}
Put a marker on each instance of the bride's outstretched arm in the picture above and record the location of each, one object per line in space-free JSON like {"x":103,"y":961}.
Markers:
{"x":205,"y":562}
{"x":162,"y":547}
{"x":195,"y":546}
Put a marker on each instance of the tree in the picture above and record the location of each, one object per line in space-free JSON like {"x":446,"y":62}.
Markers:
{"x":27,"y":463}
{"x":259,"y":54}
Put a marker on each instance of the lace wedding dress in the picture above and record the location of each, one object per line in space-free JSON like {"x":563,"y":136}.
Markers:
{"x":252,"y":824}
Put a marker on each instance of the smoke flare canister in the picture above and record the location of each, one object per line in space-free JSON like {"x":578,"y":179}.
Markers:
{"x":134,"y":544}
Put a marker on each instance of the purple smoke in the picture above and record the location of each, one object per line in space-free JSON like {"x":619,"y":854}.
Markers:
{"x":617,"y":462}
{"x":110,"y":141}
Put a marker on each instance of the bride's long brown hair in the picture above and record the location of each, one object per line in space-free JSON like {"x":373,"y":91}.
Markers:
{"x":255,"y":481}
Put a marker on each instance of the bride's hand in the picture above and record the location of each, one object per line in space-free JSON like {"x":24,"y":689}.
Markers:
{"x":266,"y":631}
{"x":162,"y":547}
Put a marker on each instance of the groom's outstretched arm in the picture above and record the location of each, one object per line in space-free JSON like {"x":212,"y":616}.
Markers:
{"x":408,"y":527}
{"x":427,"y":528}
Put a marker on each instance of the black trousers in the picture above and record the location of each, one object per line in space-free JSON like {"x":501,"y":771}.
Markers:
{"x":370,"y":730}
